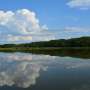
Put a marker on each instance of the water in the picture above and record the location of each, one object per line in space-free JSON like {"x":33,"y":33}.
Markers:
{"x":25,"y":71}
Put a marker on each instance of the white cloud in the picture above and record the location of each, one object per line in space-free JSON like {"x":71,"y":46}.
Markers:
{"x":72,"y":32}
{"x":76,"y":29}
{"x":81,"y":4}
{"x":19,"y":26}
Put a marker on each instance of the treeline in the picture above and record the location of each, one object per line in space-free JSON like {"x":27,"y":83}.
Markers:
{"x":74,"y":42}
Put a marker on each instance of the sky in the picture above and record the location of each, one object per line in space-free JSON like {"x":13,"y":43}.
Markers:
{"x":24,"y":21}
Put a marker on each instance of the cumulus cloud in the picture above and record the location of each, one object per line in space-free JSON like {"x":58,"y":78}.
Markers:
{"x":81,"y":4}
{"x":21,"y":25}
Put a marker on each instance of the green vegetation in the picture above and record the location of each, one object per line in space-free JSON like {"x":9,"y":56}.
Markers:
{"x":76,"y":47}
{"x":74,"y":42}
{"x":66,"y":52}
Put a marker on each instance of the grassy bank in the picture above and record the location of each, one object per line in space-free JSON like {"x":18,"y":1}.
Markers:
{"x":70,"y":51}
{"x":44,"y":49}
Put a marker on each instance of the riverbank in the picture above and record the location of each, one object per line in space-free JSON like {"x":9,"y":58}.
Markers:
{"x":44,"y":49}
{"x":77,"y":52}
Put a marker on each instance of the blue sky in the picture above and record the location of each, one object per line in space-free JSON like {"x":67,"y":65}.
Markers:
{"x":55,"y":13}
{"x":63,"y":18}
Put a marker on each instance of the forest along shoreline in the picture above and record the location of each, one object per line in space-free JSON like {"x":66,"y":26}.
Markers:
{"x":75,"y":47}
{"x":73,"y":43}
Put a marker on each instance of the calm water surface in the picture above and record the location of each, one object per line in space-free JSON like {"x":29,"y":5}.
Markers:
{"x":25,"y":71}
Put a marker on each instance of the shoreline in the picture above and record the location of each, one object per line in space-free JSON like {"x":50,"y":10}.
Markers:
{"x":77,"y":52}
{"x":43,"y":48}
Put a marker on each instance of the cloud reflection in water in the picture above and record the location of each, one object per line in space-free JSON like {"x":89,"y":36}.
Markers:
{"x":22,"y":69}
